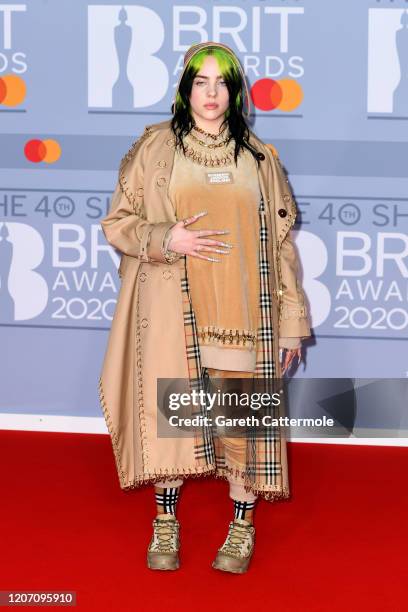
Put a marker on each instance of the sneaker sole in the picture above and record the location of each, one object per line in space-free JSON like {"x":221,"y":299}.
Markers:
{"x":162,"y":563}
{"x":226,"y":565}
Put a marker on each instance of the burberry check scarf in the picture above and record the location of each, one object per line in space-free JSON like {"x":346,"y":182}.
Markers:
{"x":263,"y":473}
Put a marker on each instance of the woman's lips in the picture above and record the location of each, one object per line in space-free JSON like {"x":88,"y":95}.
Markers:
{"x":211,"y":106}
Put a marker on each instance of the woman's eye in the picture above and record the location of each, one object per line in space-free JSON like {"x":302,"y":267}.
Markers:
{"x":199,"y":83}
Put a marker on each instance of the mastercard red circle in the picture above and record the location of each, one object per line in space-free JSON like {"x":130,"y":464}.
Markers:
{"x":3,"y":90}
{"x":35,"y":151}
{"x":266,"y":94}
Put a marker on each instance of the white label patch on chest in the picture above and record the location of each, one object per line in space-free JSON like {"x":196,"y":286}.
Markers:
{"x":219,"y":177}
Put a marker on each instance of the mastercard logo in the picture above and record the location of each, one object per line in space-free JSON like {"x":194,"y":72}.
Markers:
{"x":12,"y":90}
{"x":268,"y":94}
{"x":48,"y":151}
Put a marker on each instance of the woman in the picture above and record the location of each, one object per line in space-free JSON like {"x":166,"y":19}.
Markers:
{"x":201,"y":214}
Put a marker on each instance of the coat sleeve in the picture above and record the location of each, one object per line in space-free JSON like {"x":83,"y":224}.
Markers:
{"x":124,"y":227}
{"x":293,"y":316}
{"x":290,"y":343}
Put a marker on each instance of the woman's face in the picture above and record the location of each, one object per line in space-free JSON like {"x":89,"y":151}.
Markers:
{"x":209,"y":98}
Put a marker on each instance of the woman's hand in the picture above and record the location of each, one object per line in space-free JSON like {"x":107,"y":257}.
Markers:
{"x":287,"y":357}
{"x":191,"y":242}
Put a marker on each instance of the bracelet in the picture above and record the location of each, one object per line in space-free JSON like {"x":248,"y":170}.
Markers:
{"x":171,"y":256}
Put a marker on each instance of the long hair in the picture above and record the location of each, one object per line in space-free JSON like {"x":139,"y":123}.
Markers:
{"x":182,"y":121}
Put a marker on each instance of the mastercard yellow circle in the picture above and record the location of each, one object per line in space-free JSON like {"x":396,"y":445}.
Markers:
{"x":15,"y":88}
{"x":53,"y":151}
{"x":292,"y":95}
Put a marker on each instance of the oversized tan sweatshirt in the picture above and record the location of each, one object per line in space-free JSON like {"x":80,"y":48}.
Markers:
{"x":224,"y":294}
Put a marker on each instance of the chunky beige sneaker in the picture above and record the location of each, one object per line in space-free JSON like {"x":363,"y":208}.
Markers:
{"x":236,"y":552}
{"x":162,"y":552}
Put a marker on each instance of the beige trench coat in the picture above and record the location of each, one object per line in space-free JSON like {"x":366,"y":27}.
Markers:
{"x":147,"y":337}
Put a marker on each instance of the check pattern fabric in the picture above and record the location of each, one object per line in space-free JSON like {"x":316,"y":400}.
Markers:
{"x":168,"y":499}
{"x":263,"y":474}
{"x":203,"y":439}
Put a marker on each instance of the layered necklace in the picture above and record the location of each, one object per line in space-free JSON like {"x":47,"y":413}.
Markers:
{"x":203,"y":150}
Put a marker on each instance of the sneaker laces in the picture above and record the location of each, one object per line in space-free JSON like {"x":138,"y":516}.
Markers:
{"x":238,"y":536}
{"x":164,"y":533}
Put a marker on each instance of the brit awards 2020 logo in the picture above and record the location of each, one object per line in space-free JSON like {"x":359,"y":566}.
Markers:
{"x":53,"y":269}
{"x":388,"y":61}
{"x":355,"y":273}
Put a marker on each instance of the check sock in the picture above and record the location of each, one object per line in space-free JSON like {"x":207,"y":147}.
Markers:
{"x":241,"y":508}
{"x":166,"y":499}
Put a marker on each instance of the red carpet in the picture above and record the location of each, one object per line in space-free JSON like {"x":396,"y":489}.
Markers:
{"x":340,"y":543}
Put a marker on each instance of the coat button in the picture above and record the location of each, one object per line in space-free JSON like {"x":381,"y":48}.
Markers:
{"x":140,"y":192}
{"x":143,"y":276}
{"x":282,"y":212}
{"x":161,"y":181}
{"x":260,"y":156}
{"x":161,"y":163}
{"x":167,"y":274}
{"x":144,"y":322}
{"x":287,"y":197}
{"x":170,"y":142}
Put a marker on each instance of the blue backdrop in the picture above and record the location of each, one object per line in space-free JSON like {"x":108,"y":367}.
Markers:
{"x":78,"y":83}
